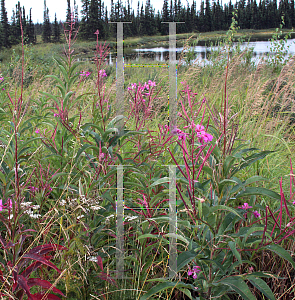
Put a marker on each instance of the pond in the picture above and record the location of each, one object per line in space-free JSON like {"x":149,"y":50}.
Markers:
{"x":161,"y":54}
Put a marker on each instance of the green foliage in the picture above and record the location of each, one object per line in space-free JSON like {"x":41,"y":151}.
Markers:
{"x":279,"y":48}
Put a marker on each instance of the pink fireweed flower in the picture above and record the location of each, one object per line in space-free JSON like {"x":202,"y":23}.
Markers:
{"x":85,"y":74}
{"x":152,"y":83}
{"x":245,"y":206}
{"x":256,"y":214}
{"x":102,"y":73}
{"x":1,"y":206}
{"x":194,"y":271}
{"x":1,"y":79}
{"x":37,"y":131}
{"x":10,"y":203}
{"x":294,"y":202}
{"x":55,"y":115}
{"x":199,"y":128}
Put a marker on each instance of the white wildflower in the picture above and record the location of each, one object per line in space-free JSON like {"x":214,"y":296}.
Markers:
{"x":25,"y":204}
{"x":62,"y":202}
{"x":92,"y":258}
{"x":35,"y":206}
{"x":130,"y":218}
{"x":96,"y":207}
{"x":79,"y":217}
{"x":35,"y":216}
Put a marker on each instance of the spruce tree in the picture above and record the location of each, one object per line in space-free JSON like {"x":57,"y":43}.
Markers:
{"x":165,"y":18}
{"x":46,"y":28}
{"x":56,"y":31}
{"x":76,"y":14}
{"x":5,"y":30}
{"x":68,"y":18}
{"x":31,"y":30}
{"x":13,"y":30}
{"x":208,"y":17}
{"x":93,"y":19}
{"x":84,"y":25}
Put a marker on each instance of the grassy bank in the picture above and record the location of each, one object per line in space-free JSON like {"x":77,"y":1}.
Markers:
{"x":87,"y":49}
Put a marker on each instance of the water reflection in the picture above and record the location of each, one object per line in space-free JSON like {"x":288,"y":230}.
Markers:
{"x":201,"y":53}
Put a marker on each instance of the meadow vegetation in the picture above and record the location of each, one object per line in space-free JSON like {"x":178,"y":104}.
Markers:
{"x":233,"y":151}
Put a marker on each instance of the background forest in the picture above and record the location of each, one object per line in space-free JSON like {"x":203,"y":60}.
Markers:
{"x":210,"y":16}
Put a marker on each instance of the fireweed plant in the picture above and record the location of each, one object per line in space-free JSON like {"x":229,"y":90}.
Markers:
{"x":58,"y":195}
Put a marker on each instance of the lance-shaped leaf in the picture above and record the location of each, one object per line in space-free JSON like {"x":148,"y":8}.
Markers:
{"x":165,"y":286}
{"x":249,"y":191}
{"x":261,"y":286}
{"x":239,"y":286}
{"x":40,"y":259}
{"x":281,"y":252}
{"x":44,"y":284}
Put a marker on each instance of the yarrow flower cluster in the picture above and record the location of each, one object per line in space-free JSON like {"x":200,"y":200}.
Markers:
{"x":195,"y":271}
{"x":91,"y":204}
{"x":246,"y":206}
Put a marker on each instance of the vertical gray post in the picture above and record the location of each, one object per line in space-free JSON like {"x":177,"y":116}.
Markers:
{"x":172,"y":222}
{"x":120,"y":225}
{"x":172,"y":75}
{"x":120,"y":75}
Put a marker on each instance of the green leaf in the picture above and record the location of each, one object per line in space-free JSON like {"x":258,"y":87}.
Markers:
{"x":177,"y":236}
{"x":255,"y":179}
{"x":255,"y":230}
{"x":250,"y":160}
{"x":58,"y":175}
{"x":224,"y":182}
{"x":233,"y":248}
{"x":2,"y":178}
{"x":153,"y":236}
{"x":249,"y":191}
{"x":67,"y":97}
{"x":230,"y":209}
{"x":165,"y":286}
{"x":261,"y":286}
{"x":51,"y":97}
{"x":239,"y":286}
{"x":185,"y":258}
{"x":160,"y":181}
{"x":281,"y":252}
{"x":114,"y":121}
{"x":57,"y":79}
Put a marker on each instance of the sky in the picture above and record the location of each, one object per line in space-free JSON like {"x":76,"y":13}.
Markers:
{"x":60,"y":6}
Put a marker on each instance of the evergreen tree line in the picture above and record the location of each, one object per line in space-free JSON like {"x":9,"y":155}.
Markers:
{"x":10,"y":32}
{"x":211,"y":16}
